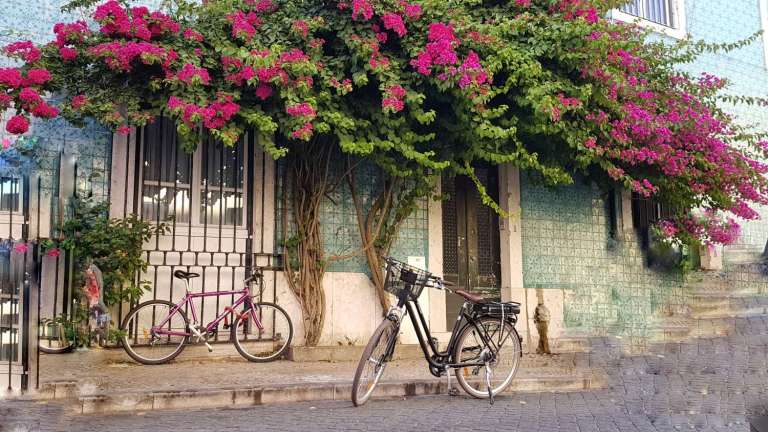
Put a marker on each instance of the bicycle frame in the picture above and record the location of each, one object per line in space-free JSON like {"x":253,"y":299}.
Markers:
{"x":428,"y":346}
{"x":245,"y":297}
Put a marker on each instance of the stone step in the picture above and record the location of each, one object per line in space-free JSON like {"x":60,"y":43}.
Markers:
{"x":571,"y":345}
{"x":730,"y":311}
{"x":743,"y":256}
{"x":525,"y":381}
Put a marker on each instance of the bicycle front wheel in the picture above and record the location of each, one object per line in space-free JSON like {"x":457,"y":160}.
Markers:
{"x":503,"y":350}
{"x":372,"y":363}
{"x":146,"y":346}
{"x":263,"y":344}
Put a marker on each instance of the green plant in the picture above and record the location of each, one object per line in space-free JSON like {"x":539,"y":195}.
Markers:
{"x":114,"y":245}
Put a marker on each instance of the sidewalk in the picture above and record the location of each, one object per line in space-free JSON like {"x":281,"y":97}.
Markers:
{"x":107,"y":380}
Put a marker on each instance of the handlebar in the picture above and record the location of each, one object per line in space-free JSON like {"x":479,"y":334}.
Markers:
{"x":256,"y":275}
{"x":439,"y":283}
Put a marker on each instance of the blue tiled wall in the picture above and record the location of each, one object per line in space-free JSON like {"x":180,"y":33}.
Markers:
{"x":91,"y":146}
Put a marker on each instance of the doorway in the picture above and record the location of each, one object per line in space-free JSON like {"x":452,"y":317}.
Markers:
{"x":471,"y":256}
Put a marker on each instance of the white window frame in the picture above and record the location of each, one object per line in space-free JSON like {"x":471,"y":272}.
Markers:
{"x":677,"y":32}
{"x":764,"y":27}
{"x":196,"y":189}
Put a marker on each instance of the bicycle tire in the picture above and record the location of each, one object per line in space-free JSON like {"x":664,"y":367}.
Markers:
{"x":377,"y":346}
{"x":514,"y":354}
{"x":275,"y":355}
{"x":58,"y":350}
{"x":136,"y":356}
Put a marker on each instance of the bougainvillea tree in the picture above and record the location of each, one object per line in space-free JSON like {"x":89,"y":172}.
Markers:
{"x":418,"y":87}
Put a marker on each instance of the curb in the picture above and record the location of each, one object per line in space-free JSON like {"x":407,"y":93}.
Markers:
{"x":253,"y":396}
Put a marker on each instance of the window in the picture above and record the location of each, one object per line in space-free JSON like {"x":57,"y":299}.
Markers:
{"x":665,"y":16}
{"x":10,"y":191}
{"x":201,"y":188}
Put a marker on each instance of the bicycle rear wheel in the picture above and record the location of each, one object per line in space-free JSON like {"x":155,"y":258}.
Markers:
{"x":53,"y":339}
{"x":267,"y":343}
{"x":146,"y":347}
{"x":505,"y":353}
{"x":373,"y":362}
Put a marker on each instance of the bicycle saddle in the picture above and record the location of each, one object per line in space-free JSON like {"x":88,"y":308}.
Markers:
{"x":181,"y":274}
{"x":474,"y":298}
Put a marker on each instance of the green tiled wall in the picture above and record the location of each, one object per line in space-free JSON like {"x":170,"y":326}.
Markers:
{"x":608,"y":289}
{"x":340,"y":230}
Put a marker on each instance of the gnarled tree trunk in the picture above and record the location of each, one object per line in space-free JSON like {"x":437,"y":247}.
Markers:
{"x":305,"y":185}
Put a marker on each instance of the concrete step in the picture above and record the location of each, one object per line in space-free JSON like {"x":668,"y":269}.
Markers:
{"x":729,"y":310}
{"x":743,"y":255}
{"x":571,"y":345}
{"x":250,"y":396}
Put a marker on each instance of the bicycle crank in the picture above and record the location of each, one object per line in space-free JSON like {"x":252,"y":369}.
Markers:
{"x":201,"y":337}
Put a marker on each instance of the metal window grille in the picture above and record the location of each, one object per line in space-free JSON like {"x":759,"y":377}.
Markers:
{"x":657,"y":11}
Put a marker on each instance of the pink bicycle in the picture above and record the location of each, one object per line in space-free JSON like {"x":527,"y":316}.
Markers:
{"x":156,"y":331}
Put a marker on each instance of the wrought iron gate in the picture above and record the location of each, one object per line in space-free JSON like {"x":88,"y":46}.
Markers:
{"x":19,"y":289}
{"x":217,"y":203}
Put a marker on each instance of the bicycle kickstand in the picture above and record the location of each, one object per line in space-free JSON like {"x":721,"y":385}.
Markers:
{"x":488,"y":383}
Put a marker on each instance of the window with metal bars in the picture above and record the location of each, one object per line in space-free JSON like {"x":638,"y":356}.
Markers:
{"x":661,"y":12}
{"x":646,"y":213}
{"x":205,"y":187}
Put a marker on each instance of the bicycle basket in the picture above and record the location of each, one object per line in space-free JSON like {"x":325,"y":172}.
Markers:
{"x":401,"y":276}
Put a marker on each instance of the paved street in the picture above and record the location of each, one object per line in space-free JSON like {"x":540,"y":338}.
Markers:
{"x":703,"y":385}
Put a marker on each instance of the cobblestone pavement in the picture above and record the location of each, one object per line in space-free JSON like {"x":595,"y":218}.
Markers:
{"x":703,"y":385}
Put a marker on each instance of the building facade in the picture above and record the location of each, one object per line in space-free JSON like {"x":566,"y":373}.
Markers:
{"x":576,"y":248}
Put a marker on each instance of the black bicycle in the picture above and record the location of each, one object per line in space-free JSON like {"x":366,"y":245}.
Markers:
{"x":484,"y":338}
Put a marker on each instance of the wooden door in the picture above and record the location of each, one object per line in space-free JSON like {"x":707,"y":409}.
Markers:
{"x":471,"y":257}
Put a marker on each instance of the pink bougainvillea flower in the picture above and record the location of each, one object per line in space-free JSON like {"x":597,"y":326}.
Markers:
{"x":21,"y":248}
{"x":45,"y":111}
{"x":394,"y":22}
{"x":24,"y":50}
{"x":190,"y":34}
{"x":191,"y":74}
{"x":124,"y":130}
{"x":121,"y":55}
{"x":301,"y":27}
{"x":79,"y":101}
{"x":29,"y":96}
{"x":10,"y":77}
{"x":17,"y":125}
{"x":411,"y":10}
{"x":5,"y":101}
{"x":304,"y":132}
{"x":67,"y":53}
{"x":6,"y":143}
{"x":53,"y":252}
{"x":37,"y":77}
{"x":301,"y":110}
{"x":244,"y":25}
{"x":263,"y":91}
{"x":263,"y":5}
{"x":668,"y":228}
{"x":70,"y":33}
{"x":362,"y":8}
